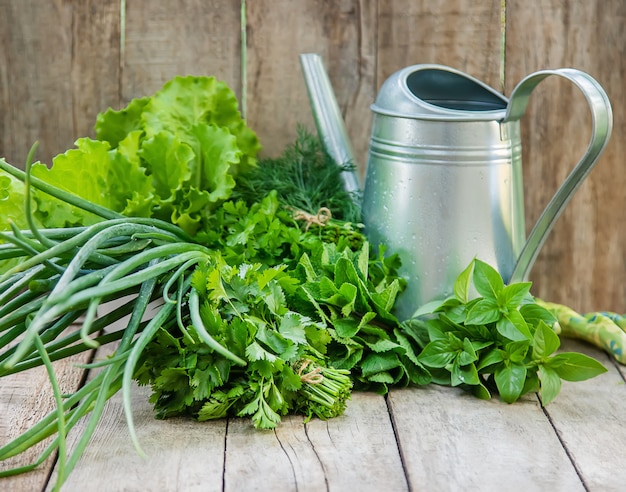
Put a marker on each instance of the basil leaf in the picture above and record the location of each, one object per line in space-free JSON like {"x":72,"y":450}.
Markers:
{"x":463,"y":374}
{"x":463,"y":283}
{"x":573,"y":366}
{"x":510,"y":381}
{"x":483,"y":312}
{"x":437,"y":353}
{"x":512,"y":295}
{"x":516,"y":351}
{"x":513,"y":326}
{"x":550,"y":384}
{"x":545,"y":342}
{"x":487,"y":280}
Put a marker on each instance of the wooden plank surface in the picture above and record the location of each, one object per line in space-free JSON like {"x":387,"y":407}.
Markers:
{"x":451,"y":441}
{"x":25,"y":398}
{"x":462,"y":34}
{"x":180,"y":454}
{"x":427,"y":438}
{"x":589,"y":419}
{"x":62,"y":62}
{"x":185,"y":455}
{"x":583,"y":264}
{"x":357,"y":450}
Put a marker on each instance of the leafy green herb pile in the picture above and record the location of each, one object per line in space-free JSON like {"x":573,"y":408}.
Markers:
{"x":263,"y":293}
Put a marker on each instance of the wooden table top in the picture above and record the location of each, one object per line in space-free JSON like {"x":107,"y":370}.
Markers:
{"x":424,"y":438}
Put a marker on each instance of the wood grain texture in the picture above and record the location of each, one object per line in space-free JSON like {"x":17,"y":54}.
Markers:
{"x":429,"y":438}
{"x":453,"y":441}
{"x":180,"y":453}
{"x":179,"y":37}
{"x":583,"y":263}
{"x":462,"y":34}
{"x":61,"y":62}
{"x":356,"y":450}
{"x":588,"y":417}
{"x":343,"y":33}
{"x":25,"y":398}
{"x":59,"y":66}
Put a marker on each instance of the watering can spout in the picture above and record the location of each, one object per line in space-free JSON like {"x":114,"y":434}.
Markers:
{"x":328,"y":119}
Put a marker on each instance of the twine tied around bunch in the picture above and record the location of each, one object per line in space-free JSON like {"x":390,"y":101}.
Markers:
{"x":320,"y":219}
{"x":314,"y":376}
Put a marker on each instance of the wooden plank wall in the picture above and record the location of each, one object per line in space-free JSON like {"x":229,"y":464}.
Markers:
{"x":63,"y":61}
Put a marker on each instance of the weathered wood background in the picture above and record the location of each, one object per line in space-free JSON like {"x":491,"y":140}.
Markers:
{"x":63,"y":61}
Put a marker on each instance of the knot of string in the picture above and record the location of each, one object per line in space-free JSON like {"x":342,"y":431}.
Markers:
{"x":314,"y":376}
{"x":320,"y":219}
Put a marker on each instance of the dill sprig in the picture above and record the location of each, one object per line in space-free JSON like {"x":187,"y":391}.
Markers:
{"x":305,"y":177}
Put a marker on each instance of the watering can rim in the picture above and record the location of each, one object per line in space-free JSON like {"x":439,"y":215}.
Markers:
{"x":395,"y":93}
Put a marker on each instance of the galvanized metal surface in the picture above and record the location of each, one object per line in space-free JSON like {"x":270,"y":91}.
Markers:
{"x":444,"y":179}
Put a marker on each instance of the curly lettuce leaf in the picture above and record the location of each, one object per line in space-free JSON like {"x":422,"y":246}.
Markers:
{"x":113,"y":126}
{"x":81,"y":171}
{"x":95,"y":172}
{"x":173,"y":156}
{"x":12,"y":199}
{"x":185,"y":102}
{"x":193,"y":142}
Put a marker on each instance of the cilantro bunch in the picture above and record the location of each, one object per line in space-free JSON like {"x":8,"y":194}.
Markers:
{"x":300,"y":318}
{"x":491,"y":337}
{"x":244,"y":309}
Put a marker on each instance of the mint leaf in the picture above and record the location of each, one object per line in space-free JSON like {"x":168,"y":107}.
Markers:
{"x":376,"y":363}
{"x":346,"y":327}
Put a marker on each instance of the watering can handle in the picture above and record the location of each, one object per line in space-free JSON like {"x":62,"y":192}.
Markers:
{"x":602,"y":118}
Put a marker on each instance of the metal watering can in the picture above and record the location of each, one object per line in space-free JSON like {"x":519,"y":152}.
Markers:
{"x":443,"y":182}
